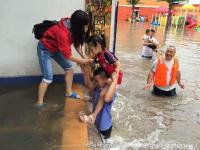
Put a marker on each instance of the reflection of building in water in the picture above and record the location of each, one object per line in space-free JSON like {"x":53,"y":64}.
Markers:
{"x":100,"y":11}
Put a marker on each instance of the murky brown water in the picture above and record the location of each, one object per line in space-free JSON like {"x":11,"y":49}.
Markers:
{"x":143,"y":121}
{"x":22,"y":127}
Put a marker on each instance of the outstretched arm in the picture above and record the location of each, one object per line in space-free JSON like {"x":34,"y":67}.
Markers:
{"x":80,"y":60}
{"x":149,"y":81}
{"x":179,"y":80}
{"x":150,"y":78}
{"x":100,"y":103}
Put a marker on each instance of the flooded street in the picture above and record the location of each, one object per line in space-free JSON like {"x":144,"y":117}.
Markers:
{"x":143,"y":121}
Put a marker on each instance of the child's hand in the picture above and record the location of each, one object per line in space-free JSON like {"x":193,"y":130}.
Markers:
{"x":91,"y":60}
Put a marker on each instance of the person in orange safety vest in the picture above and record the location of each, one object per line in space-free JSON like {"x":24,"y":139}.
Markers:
{"x":164,"y":74}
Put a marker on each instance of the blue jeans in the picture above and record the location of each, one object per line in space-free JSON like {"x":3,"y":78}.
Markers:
{"x":45,"y":60}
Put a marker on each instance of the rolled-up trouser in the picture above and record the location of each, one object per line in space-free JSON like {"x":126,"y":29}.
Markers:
{"x":45,"y":61}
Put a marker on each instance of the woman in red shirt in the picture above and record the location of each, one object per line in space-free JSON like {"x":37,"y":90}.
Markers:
{"x":56,"y":44}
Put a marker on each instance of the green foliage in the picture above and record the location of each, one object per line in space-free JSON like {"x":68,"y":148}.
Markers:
{"x":107,"y":2}
{"x":134,"y":2}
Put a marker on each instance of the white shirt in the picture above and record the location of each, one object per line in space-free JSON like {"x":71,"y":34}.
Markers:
{"x":146,"y":38}
{"x":147,"y":51}
{"x":169,"y":64}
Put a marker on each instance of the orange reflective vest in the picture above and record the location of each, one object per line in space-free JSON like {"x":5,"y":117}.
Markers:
{"x":160,"y":75}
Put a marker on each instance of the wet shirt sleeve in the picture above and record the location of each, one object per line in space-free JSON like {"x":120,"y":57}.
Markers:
{"x":109,"y":57}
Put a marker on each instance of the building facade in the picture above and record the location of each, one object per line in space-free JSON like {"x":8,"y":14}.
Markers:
{"x":17,"y":43}
{"x":145,"y":9}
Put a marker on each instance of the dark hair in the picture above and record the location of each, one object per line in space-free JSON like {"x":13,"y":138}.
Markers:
{"x":78,"y":20}
{"x":94,"y":40}
{"x":147,"y":31}
{"x":100,"y":71}
{"x":152,"y":30}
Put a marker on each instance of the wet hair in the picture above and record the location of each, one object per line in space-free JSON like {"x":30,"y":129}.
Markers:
{"x":94,"y":40}
{"x":101,"y":72}
{"x":78,"y":20}
{"x":152,"y":30}
{"x":147,"y":31}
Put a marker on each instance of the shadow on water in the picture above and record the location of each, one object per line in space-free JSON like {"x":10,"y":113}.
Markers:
{"x":143,"y":121}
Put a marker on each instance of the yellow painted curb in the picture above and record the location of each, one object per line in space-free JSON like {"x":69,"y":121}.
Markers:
{"x":75,"y":134}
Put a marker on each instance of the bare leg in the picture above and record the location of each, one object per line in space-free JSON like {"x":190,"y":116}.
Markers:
{"x":87,"y":79}
{"x":85,"y":74}
{"x":68,"y":81}
{"x":41,"y":92}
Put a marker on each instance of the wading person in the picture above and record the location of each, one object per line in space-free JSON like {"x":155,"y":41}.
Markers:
{"x":56,"y":44}
{"x":103,"y":91}
{"x":150,"y":44}
{"x":164,"y":74}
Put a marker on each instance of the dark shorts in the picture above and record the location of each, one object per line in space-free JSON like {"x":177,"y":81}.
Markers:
{"x":107,"y":133}
{"x":159,"y":92}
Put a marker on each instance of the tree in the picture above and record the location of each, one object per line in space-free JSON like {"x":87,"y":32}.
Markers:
{"x":133,"y":3}
{"x":169,"y":16}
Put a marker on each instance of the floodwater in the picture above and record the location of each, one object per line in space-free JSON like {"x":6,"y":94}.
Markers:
{"x":146,"y":122}
{"x":141,"y":120}
{"x":22,"y":127}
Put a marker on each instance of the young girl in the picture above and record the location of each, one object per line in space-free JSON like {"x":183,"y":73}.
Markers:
{"x":56,"y":44}
{"x":105,"y":59}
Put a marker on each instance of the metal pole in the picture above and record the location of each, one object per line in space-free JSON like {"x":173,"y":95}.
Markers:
{"x":115,"y":27}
